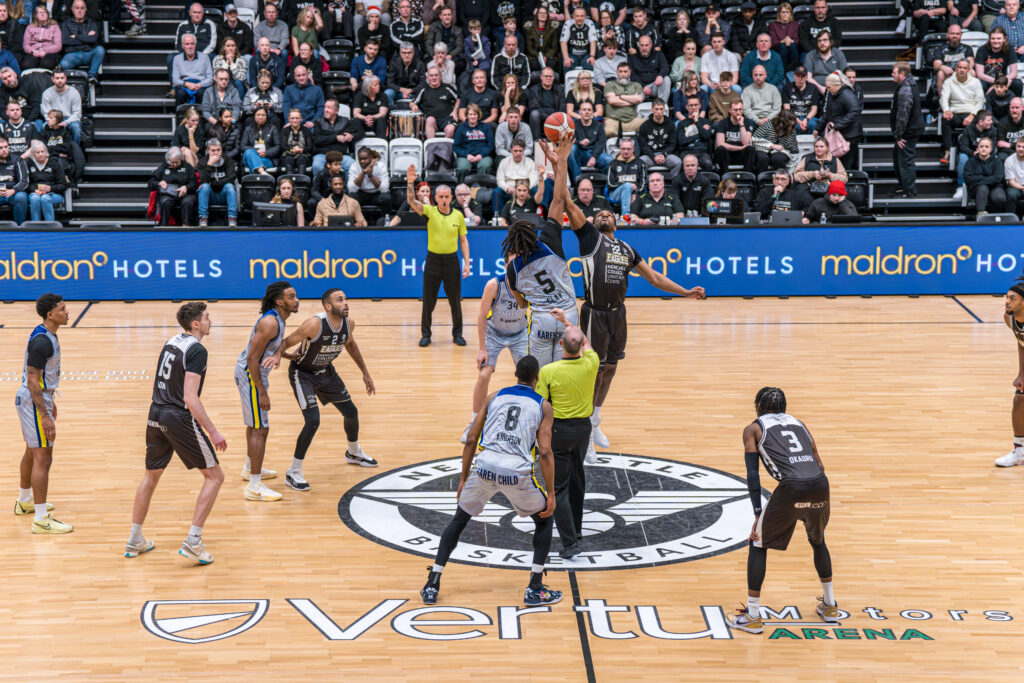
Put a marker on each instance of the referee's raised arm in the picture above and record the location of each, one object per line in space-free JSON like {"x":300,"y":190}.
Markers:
{"x":410,"y":191}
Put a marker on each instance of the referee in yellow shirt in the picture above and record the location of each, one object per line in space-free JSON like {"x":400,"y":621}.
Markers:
{"x":568,"y":384}
{"x":446,"y":232}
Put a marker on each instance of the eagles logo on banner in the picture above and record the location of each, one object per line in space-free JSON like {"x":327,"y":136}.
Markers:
{"x":204,"y":620}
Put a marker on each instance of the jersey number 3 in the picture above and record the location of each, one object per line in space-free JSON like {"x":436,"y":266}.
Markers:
{"x":794,"y":443}
{"x":512,"y":418}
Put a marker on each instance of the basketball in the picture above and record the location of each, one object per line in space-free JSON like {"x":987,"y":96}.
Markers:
{"x":556,"y":123}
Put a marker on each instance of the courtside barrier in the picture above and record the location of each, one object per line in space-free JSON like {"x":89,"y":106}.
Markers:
{"x":238,"y":264}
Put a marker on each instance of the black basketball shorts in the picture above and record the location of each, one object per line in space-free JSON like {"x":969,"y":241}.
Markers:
{"x":606,"y":331}
{"x":805,"y":500}
{"x":324,"y":385}
{"x":173,"y":430}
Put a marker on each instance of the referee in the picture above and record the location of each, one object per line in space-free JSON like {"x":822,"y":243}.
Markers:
{"x":568,"y":384}
{"x":446,"y":232}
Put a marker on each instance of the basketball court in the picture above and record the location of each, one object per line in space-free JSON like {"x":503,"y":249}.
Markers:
{"x":908,"y":399}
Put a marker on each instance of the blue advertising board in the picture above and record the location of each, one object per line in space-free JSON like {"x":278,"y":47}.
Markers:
{"x":222,"y":264}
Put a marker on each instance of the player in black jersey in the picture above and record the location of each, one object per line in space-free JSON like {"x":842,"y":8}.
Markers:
{"x":607,"y":262}
{"x":787,"y":449}
{"x":1014,"y":317}
{"x":311,"y":372}
{"x":178,"y":423}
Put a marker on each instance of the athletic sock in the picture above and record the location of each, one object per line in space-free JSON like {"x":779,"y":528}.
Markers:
{"x":536,"y":576}
{"x":754,"y":607}
{"x":595,"y":417}
{"x":40,"y":512}
{"x":437,"y":569}
{"x":136,"y":535}
{"x":248,"y":463}
{"x":195,"y":534}
{"x":472,"y":418}
{"x":296,"y":466}
{"x":25,"y":495}
{"x":353,"y":447}
{"x":1018,"y":442}
{"x":254,"y":481}
{"x":829,"y":598}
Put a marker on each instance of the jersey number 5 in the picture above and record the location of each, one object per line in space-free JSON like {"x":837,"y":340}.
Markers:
{"x":512,"y":418}
{"x":794,"y":443}
{"x":549,"y":286}
{"x":165,"y":365}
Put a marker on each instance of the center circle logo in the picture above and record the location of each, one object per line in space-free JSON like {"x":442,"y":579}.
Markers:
{"x":639,"y":511}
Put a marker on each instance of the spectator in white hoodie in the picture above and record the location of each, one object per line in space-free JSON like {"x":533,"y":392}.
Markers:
{"x":962,"y":97}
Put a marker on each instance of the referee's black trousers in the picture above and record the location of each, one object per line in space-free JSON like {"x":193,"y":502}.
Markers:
{"x":442,"y":268}
{"x":569,"y":441}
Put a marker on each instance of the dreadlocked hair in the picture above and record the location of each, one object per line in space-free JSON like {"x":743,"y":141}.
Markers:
{"x":274,"y":290}
{"x":770,"y":400}
{"x":1018,"y":285}
{"x":521,"y":239}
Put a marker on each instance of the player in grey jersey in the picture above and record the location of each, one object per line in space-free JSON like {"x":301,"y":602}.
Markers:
{"x":252,"y":375}
{"x":607,"y":263}
{"x":501,"y":324}
{"x":1013,"y":315}
{"x":178,"y":423}
{"x":311,"y":373}
{"x":536,"y":270}
{"x":513,"y":429}
{"x":37,"y":412}
{"x":787,"y":449}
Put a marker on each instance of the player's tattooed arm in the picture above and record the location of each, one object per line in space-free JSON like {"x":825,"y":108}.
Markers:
{"x":547,"y":459}
{"x":33,"y":376}
{"x":357,"y":356}
{"x":266,"y":329}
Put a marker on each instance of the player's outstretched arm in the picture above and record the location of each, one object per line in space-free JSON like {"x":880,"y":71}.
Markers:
{"x":547,"y":459}
{"x":410,"y":191}
{"x":357,"y":356}
{"x":487,"y":298}
{"x":195,"y":406}
{"x":667,"y":285}
{"x":559,"y":315}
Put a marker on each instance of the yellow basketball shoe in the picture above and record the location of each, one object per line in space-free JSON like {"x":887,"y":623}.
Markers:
{"x":49,"y":525}
{"x":829,"y":613}
{"x":261,"y":494}
{"x":28,"y":508}
{"x":744,"y":622}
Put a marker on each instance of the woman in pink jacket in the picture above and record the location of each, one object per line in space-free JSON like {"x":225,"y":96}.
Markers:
{"x":42,"y":41}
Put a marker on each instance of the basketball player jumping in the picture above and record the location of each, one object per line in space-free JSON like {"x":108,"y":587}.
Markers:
{"x":537,"y":271}
{"x":789,"y":453}
{"x":311,"y":372}
{"x":252,"y":375}
{"x":513,"y":428}
{"x":178,"y":423}
{"x":1014,"y":317}
{"x":501,"y":324}
{"x":607,"y":262}
{"x":37,"y":411}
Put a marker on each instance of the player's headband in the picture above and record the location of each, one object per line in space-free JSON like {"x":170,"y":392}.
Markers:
{"x":1018,"y":287}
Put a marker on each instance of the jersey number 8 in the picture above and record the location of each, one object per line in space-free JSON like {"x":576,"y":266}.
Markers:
{"x":512,"y":418}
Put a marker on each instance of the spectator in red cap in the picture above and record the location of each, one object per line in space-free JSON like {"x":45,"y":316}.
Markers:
{"x":834,"y":202}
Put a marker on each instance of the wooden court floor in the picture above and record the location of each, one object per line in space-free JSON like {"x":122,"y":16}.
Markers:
{"x":908,"y":399}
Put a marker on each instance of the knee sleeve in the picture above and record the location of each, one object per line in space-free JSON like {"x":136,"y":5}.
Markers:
{"x":311,"y":419}
{"x":351,"y":413}
{"x":822,"y":560}
{"x":757,"y":563}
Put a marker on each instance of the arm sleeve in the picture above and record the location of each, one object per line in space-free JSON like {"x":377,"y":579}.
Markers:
{"x":551,"y":235}
{"x":195,"y":359}
{"x":39,"y":351}
{"x":753,"y":481}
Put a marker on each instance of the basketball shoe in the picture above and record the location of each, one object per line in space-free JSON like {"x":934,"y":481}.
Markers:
{"x":28,"y":508}
{"x":264,"y":473}
{"x":195,"y":552}
{"x":541,"y":596}
{"x":745,"y":622}
{"x":600,"y":440}
{"x":136,"y":549}
{"x":431,"y":589}
{"x":262,"y":494}
{"x":49,"y":525}
{"x":829,"y":613}
{"x":359,"y":458}
{"x":296,"y":480}
{"x":1014,"y":457}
